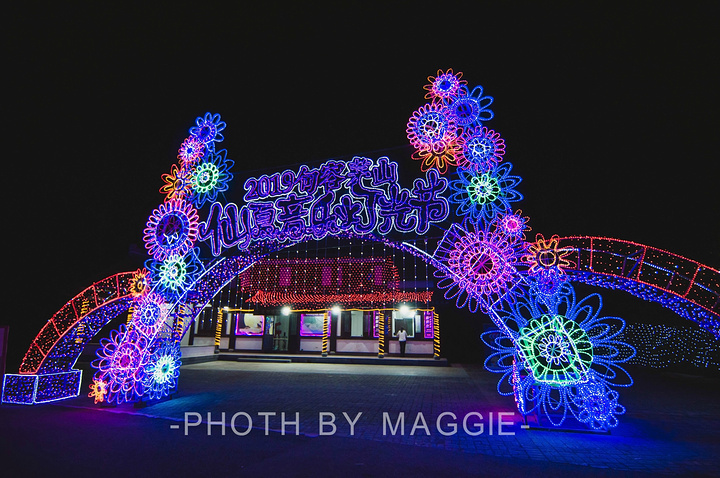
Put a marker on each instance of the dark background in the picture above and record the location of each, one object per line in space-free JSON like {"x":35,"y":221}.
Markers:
{"x":609,"y":113}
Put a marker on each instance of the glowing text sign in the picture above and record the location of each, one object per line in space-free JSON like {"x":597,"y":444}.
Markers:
{"x":360,"y":196}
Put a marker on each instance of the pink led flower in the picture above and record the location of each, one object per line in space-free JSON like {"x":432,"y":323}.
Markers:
{"x":430,"y":127}
{"x":191,"y":151}
{"x":513,"y":225}
{"x":479,"y":267}
{"x":433,"y":133}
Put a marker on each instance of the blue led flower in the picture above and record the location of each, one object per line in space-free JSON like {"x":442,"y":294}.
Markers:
{"x":471,"y":108}
{"x":596,"y":404}
{"x":210,"y":177}
{"x":162,"y":369}
{"x":174,"y":275}
{"x":482,"y":196}
{"x":548,"y":285}
{"x":552,"y":352}
{"x":147,"y":315}
{"x":207,"y":130}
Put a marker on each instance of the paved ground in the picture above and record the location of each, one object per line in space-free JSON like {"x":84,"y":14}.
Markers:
{"x":671,"y":427}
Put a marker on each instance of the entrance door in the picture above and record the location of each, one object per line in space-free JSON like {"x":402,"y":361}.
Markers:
{"x":294,"y":334}
{"x":269,"y":334}
{"x":280,"y":334}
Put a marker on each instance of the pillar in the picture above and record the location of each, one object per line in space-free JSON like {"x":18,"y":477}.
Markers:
{"x":326,"y":334}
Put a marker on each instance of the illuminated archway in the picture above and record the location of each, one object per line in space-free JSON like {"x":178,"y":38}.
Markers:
{"x":549,"y":343}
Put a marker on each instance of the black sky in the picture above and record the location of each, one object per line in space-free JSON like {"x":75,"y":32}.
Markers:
{"x":609,"y":113}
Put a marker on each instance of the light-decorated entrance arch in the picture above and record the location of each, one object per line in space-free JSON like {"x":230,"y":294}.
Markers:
{"x":557,"y":354}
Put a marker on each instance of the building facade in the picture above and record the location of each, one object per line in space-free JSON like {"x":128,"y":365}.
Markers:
{"x":350,"y":305}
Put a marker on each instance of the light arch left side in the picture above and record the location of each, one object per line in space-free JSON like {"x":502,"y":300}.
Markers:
{"x":46,"y":372}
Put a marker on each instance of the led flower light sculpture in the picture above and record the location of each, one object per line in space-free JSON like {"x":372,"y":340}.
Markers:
{"x":484,"y":195}
{"x":210,"y":177}
{"x":191,"y":151}
{"x":147,"y":315}
{"x":478,"y":266}
{"x":480,"y":149}
{"x":561,"y":357}
{"x":162,"y":370}
{"x":120,"y":363}
{"x":557,"y":355}
{"x":434,"y":133}
{"x":207,"y":130}
{"x":142,"y":361}
{"x":171,"y":229}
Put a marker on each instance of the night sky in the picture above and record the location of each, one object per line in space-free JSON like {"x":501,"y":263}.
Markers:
{"x":610,"y":115}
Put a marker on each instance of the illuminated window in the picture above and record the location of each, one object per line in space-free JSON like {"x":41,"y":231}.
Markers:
{"x":378,"y":275}
{"x":285,"y":276}
{"x":326,"y":277}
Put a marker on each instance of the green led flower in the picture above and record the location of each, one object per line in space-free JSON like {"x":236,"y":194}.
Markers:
{"x":205,"y":178}
{"x":557,"y":350}
{"x":173,"y":272}
{"x":483,"y":189}
{"x":210,"y":177}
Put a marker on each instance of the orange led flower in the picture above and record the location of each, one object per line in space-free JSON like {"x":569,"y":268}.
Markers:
{"x":98,"y":390}
{"x":139,"y":283}
{"x":177,"y":183}
{"x":545,"y":255}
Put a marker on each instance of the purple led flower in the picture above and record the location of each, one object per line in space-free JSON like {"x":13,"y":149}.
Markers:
{"x":480,"y":267}
{"x":171,"y":229}
{"x":120,"y":363}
